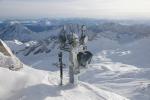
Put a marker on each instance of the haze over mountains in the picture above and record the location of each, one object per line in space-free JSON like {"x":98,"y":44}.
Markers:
{"x":26,"y":30}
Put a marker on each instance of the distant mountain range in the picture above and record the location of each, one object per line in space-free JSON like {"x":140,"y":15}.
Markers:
{"x":16,"y":31}
{"x":26,"y":30}
{"x":45,"y":32}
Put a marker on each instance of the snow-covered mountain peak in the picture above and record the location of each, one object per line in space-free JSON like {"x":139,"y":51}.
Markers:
{"x":17,"y":31}
{"x":18,"y":27}
{"x":15,"y":26}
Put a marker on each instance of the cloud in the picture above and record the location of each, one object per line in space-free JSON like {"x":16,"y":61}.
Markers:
{"x":75,"y":8}
{"x":37,"y":0}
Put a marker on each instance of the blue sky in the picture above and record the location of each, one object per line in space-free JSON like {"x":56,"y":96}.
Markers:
{"x":114,"y":9}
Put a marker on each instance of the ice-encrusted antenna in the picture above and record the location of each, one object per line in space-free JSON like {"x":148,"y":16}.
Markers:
{"x":76,"y":47}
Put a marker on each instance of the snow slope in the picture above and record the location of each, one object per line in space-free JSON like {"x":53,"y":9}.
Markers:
{"x":32,"y":84}
{"x":15,"y":81}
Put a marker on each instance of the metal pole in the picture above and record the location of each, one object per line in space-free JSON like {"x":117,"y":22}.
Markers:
{"x":61,"y":68}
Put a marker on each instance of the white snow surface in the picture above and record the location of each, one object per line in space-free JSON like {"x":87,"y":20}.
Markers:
{"x":117,"y":72}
